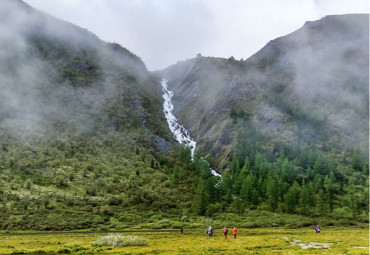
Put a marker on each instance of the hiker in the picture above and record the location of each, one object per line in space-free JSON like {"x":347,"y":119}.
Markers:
{"x":225,"y":232}
{"x":317,"y":228}
{"x":182,"y":230}
{"x":210,"y":231}
{"x":234,"y":232}
{"x":207,"y":231}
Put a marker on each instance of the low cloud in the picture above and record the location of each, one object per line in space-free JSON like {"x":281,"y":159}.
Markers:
{"x":162,"y":32}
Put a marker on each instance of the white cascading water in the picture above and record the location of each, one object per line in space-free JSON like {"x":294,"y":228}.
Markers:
{"x":182,"y":135}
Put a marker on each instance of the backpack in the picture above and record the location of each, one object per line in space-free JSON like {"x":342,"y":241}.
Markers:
{"x":225,"y":230}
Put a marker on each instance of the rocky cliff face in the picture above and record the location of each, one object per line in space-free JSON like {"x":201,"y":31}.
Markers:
{"x":309,"y":87}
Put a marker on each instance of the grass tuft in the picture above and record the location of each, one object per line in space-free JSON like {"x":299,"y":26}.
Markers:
{"x":120,"y":240}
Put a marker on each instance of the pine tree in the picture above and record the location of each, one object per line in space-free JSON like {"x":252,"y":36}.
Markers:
{"x":211,"y":189}
{"x":235,"y":168}
{"x":226,"y":186}
{"x":239,"y":180}
{"x":201,"y":197}
{"x":185,"y":154}
{"x":202,"y":168}
{"x":288,"y":171}
{"x":177,"y":175}
{"x":248,"y":191}
{"x":318,"y":183}
{"x":260,"y":165}
{"x":321,"y":203}
{"x":306,"y":201}
{"x":272,"y":192}
{"x":291,"y":198}
{"x":330,"y":188}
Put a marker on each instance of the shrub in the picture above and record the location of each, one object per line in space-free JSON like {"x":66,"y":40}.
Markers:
{"x":106,"y":210}
{"x":177,"y":224}
{"x":64,"y":251}
{"x":120,"y":240}
{"x":60,"y":181}
{"x":73,"y":246}
{"x":343,"y":212}
{"x":28,"y":184}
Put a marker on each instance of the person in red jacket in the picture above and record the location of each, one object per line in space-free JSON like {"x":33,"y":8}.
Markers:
{"x":234,"y":232}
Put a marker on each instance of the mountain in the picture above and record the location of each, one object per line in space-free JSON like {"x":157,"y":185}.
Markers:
{"x":306,"y":89}
{"x":60,"y":66}
{"x":81,"y":125}
{"x":84,"y":143}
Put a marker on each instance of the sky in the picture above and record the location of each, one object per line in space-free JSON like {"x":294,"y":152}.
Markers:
{"x":163,"y":32}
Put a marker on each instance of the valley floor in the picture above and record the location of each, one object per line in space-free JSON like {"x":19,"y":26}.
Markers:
{"x":248,"y":241}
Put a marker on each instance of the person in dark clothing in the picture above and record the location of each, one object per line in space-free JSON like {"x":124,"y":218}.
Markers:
{"x":225,"y":232}
{"x":210,"y":231}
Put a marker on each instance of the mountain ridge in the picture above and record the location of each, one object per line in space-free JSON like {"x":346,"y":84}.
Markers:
{"x":277,"y":68}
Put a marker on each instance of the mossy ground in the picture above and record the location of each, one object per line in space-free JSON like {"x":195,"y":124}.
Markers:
{"x":249,"y":241}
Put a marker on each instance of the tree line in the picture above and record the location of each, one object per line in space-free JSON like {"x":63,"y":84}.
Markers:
{"x":299,"y":180}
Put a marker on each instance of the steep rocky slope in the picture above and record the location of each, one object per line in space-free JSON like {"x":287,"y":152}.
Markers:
{"x":306,"y":88}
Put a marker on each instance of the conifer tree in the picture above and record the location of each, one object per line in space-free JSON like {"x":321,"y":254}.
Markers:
{"x":201,"y":197}
{"x":248,"y":190}
{"x":226,"y":187}
{"x":291,"y":198}
{"x":272,"y":192}
{"x":330,"y":188}
{"x":321,"y":203}
{"x":240,"y":178}
{"x":306,"y":200}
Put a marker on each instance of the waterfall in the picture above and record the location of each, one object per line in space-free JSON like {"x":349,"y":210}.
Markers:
{"x":182,"y":135}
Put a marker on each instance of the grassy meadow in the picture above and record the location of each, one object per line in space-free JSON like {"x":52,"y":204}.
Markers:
{"x":249,"y":241}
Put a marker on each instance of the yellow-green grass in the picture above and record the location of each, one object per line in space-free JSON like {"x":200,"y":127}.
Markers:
{"x":249,"y":241}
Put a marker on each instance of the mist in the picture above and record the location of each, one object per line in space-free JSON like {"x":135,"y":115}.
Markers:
{"x":331,"y":74}
{"x":56,"y":76}
{"x":310,"y":85}
{"x":162,"y":32}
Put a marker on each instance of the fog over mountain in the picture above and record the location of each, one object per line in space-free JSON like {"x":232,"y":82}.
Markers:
{"x":85,"y":144}
{"x":54,"y":73}
{"x":162,"y":32}
{"x":311,"y":81}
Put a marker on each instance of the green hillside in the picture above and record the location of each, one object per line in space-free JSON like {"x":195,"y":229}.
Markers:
{"x":82,"y":133}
